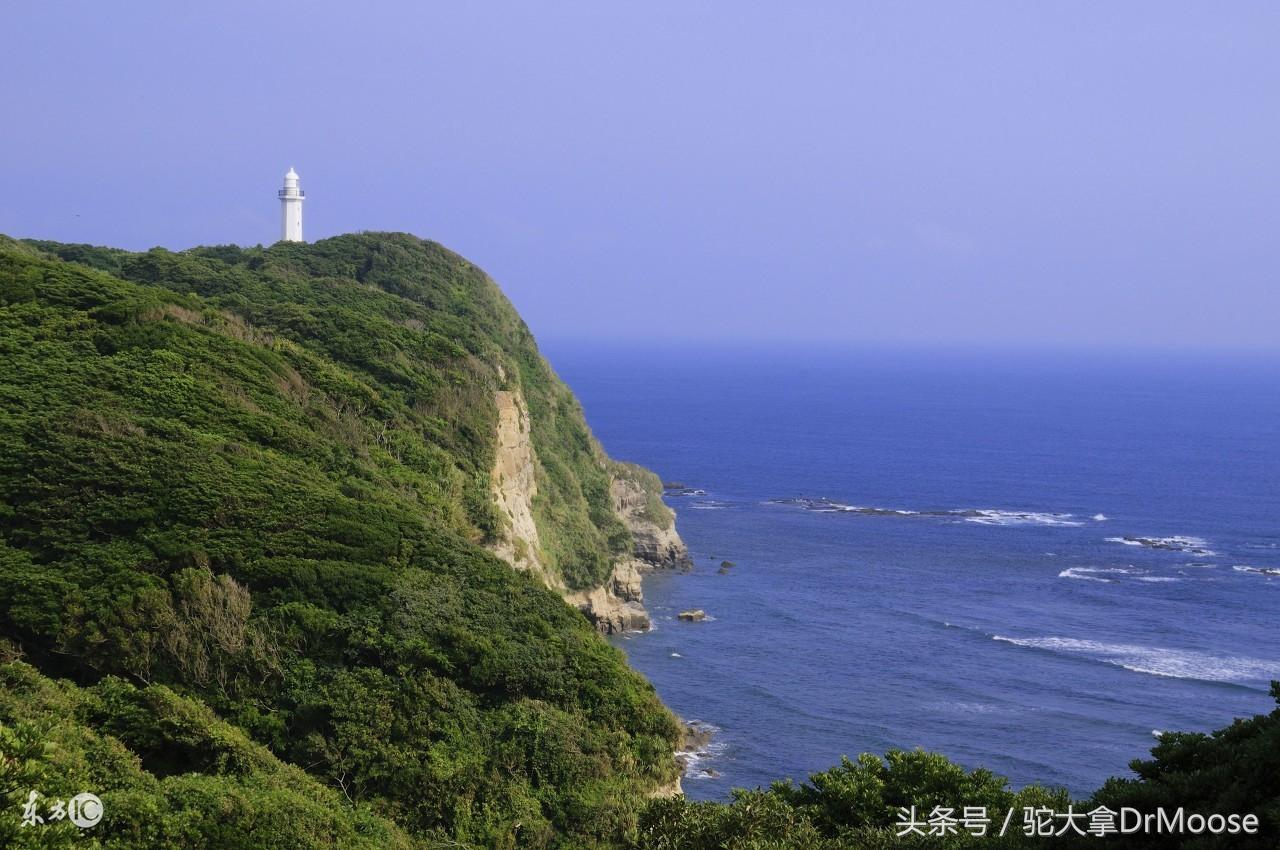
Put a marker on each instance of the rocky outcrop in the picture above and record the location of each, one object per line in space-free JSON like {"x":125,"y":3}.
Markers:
{"x":514,"y":486}
{"x":617,"y":605}
{"x":637,"y":500}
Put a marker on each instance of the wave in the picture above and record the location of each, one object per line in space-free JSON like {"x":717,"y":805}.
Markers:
{"x":829,"y":506}
{"x":708,"y":505}
{"x":707,"y":746}
{"x":998,"y":517}
{"x":1266,"y":571}
{"x":1177,"y":543}
{"x":1159,"y":661}
{"x":982,"y":516}
{"x":1093,"y":573}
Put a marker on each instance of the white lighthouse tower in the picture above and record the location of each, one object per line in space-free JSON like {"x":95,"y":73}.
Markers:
{"x":291,"y":198}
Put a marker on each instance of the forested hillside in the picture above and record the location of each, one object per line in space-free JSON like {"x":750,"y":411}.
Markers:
{"x":257,"y":482}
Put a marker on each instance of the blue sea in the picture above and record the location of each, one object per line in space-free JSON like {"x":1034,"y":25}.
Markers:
{"x":1029,"y":562}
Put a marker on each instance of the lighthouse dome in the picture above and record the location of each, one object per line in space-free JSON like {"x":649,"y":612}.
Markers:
{"x":292,"y":175}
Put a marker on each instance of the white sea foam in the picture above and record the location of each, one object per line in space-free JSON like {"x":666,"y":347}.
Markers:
{"x":1158,"y":661}
{"x":1177,"y":543}
{"x":992,"y":516}
{"x":676,"y":655}
{"x":693,"y":758}
{"x":1266,"y":571}
{"x":1099,"y":517}
{"x":1093,"y":573}
{"x":709,"y":505}
{"x":1158,"y":578}
{"x":982,"y":516}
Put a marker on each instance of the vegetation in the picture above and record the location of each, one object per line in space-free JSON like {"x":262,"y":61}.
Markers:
{"x":856,"y":805}
{"x":171,"y":775}
{"x":260,"y":478}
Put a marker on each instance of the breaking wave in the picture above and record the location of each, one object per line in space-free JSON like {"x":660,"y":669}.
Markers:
{"x":1158,"y":661}
{"x":997,"y":517}
{"x":982,"y":516}
{"x":1177,"y":543}
{"x":1265,"y":571}
{"x":1093,"y":573}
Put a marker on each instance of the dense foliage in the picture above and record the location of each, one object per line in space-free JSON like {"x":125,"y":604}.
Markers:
{"x":1234,"y":769}
{"x":170,"y":774}
{"x":261,"y":478}
{"x":856,"y":805}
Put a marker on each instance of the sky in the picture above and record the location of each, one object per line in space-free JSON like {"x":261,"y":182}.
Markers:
{"x":1059,"y":174}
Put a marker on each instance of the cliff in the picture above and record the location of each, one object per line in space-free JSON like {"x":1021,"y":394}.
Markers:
{"x":615,"y":605}
{"x":290,"y":483}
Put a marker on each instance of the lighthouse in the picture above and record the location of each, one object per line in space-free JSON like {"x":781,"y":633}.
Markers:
{"x":291,"y":198}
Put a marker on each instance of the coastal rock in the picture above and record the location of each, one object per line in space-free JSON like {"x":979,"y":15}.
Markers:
{"x":695,"y":745}
{"x":671,"y":789}
{"x":637,"y":500}
{"x":693,"y":615}
{"x":615,"y":607}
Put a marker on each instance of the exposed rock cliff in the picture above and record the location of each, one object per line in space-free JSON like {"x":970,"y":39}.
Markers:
{"x":636,"y":493}
{"x":637,"y":499}
{"x":515,"y":486}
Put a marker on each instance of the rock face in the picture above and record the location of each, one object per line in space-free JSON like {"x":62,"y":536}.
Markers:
{"x":617,"y":605}
{"x":637,"y":499}
{"x":693,"y":615}
{"x":515,"y":485}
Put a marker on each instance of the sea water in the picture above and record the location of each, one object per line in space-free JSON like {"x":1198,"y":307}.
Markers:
{"x":1031,"y":563}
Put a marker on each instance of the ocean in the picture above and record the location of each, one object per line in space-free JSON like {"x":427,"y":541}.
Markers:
{"x":1029,"y":562}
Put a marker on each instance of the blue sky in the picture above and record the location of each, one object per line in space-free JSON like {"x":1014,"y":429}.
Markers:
{"x":1051,"y":173}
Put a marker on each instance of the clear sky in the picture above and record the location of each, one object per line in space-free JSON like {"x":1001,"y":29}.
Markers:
{"x":1060,"y":173}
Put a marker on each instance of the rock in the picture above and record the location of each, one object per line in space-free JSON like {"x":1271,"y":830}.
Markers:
{"x":636,"y":493}
{"x":610,"y":612}
{"x":693,"y":615}
{"x":626,"y":582}
{"x":671,"y":789}
{"x":514,"y":488}
{"x":696,"y":736}
{"x":724,"y":565}
{"x":637,"y":501}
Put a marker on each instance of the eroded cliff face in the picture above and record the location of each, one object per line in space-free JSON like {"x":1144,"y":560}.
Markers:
{"x":637,"y":500}
{"x":514,"y":487}
{"x":636,"y":493}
